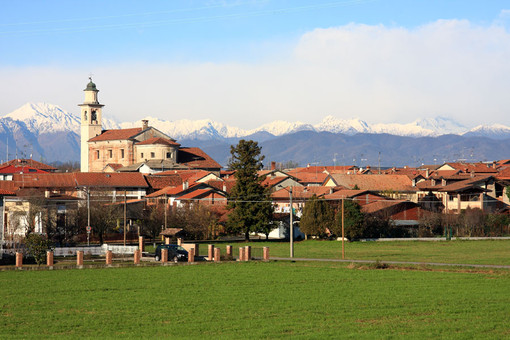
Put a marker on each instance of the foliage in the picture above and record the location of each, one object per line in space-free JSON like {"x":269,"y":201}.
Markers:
{"x":103,"y":215}
{"x":36,"y":246}
{"x":251,"y":208}
{"x":371,"y":304}
{"x":317,"y":218}
{"x":153,"y":220}
{"x":353,"y":221}
{"x":197,"y":220}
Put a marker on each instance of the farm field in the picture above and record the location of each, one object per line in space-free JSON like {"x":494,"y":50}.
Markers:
{"x":256,"y":300}
{"x":495,"y":252}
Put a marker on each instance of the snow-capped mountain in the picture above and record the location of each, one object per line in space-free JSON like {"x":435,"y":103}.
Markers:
{"x":49,"y":132}
{"x":43,"y":117}
{"x":495,"y":131}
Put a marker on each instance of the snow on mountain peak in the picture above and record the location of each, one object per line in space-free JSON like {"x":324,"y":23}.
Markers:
{"x":44,"y":117}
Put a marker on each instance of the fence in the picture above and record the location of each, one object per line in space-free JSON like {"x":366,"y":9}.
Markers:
{"x":95,"y":250}
{"x":256,"y":252}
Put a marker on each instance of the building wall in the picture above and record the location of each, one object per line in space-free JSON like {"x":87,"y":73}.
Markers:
{"x":155,"y":151}
{"x":110,"y":152}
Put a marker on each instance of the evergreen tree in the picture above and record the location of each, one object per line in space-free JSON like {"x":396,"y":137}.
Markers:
{"x":317,"y":217}
{"x":251,"y":207}
{"x":353,"y":221}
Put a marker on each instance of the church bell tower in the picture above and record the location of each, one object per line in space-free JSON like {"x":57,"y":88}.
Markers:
{"x":91,"y":120}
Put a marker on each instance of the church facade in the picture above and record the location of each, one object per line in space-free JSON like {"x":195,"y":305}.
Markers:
{"x":124,"y":149}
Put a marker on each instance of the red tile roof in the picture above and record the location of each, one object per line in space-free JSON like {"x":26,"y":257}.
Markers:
{"x":11,"y":169}
{"x":118,"y":134}
{"x":158,"y":140}
{"x":310,"y":177}
{"x":45,"y":180}
{"x":124,"y":179}
{"x":29,"y":162}
{"x":196,"y":158}
{"x":300,"y":193}
{"x":158,"y":182}
{"x":375,"y":182}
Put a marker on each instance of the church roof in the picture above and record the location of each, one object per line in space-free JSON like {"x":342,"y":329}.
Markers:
{"x":196,"y":158}
{"x":117,"y":134}
{"x":158,"y":140}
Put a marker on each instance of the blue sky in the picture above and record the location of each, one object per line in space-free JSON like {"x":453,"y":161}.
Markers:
{"x":247,"y":63}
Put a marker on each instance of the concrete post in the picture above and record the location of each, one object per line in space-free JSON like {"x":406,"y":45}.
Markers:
{"x":49,"y":258}
{"x":164,"y":255}
{"x":141,"y":243}
{"x":79,"y":258}
{"x":191,"y":255}
{"x":136,"y":256}
{"x":241,"y":253}
{"x":217,"y":255}
{"x":210,"y":252}
{"x":19,"y":260}
{"x":167,"y":240}
{"x":109,"y":257}
{"x":247,"y":253}
{"x":179,"y":241}
{"x":229,"y":250}
{"x":266,"y":253}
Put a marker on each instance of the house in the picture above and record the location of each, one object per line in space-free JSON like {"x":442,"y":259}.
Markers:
{"x":143,"y":148}
{"x":392,"y":186}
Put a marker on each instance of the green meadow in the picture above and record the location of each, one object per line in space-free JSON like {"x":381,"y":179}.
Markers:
{"x":495,"y":252}
{"x":256,"y":300}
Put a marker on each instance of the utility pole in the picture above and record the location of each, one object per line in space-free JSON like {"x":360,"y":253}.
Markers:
{"x":291,"y":228}
{"x":343,"y":233}
{"x":88,"y":216}
{"x":125,"y":208}
{"x":166,"y":210}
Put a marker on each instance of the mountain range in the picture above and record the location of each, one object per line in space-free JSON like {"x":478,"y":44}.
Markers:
{"x":48,"y":133}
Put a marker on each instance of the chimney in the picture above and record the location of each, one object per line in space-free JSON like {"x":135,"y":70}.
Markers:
{"x":224,"y":187}
{"x":145,"y":124}
{"x":273,"y":165}
{"x":494,"y":164}
{"x":185,"y":185}
{"x":427,"y":173}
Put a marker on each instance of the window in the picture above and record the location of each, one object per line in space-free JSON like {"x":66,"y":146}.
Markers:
{"x":121,"y":153}
{"x":110,"y":153}
{"x":153,"y":154}
{"x":141,"y":155}
{"x":97,"y":154}
{"x":168,"y":155}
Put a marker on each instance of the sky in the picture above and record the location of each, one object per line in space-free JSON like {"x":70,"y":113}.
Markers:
{"x":248,"y":63}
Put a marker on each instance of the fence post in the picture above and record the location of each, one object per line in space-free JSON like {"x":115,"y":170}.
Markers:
{"x":191,"y":255}
{"x":210,"y":252}
{"x":241,"y":253}
{"x":141,"y":244}
{"x":49,"y":259}
{"x":136,"y":256}
{"x":19,"y":260}
{"x":167,"y":240}
{"x":229,"y":250}
{"x":109,"y":257}
{"x":266,"y":253}
{"x":247,"y":253}
{"x":164,"y":255}
{"x":217,"y":255}
{"x":179,"y":241}
{"x":79,"y":258}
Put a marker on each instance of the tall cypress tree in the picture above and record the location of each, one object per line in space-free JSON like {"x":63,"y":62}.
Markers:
{"x":249,"y":200}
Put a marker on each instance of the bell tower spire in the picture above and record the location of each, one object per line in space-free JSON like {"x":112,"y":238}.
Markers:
{"x":91,"y":122}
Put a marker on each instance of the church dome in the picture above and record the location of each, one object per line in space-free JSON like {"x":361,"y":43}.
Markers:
{"x":91,"y":86}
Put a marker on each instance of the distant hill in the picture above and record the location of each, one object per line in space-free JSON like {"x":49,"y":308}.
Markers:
{"x":50,"y":134}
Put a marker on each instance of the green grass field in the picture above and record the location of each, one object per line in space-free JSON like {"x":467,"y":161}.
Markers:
{"x":469,"y":252}
{"x":255,"y":300}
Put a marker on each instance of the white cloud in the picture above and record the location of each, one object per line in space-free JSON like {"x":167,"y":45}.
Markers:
{"x":380,"y":74}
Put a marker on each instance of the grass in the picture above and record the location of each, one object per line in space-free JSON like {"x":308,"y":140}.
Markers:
{"x":495,"y":252}
{"x":255,"y":300}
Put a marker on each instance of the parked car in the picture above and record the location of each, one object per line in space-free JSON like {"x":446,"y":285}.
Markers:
{"x":175,"y":252}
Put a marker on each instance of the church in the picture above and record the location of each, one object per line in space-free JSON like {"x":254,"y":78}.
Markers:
{"x":143,"y":149}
